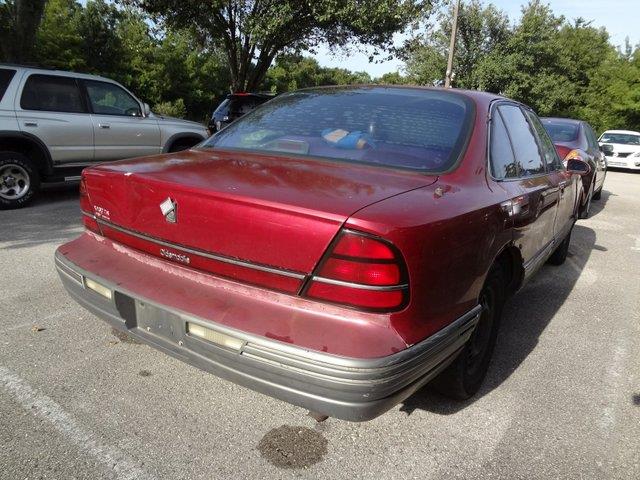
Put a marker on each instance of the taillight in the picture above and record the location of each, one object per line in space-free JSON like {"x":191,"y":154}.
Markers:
{"x":88,"y":217}
{"x":574,"y":155}
{"x":361,"y":271}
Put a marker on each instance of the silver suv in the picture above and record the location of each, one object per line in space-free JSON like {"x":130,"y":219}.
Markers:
{"x":53,"y":124}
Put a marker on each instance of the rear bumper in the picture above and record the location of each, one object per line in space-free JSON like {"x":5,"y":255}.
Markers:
{"x":354,"y":389}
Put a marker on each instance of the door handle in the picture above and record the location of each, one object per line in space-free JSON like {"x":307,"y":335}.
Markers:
{"x":515,"y":206}
{"x":104,"y":125}
{"x":30,"y":124}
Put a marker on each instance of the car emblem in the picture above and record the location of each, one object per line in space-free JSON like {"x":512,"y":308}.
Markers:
{"x":615,"y":154}
{"x":169,"y":209}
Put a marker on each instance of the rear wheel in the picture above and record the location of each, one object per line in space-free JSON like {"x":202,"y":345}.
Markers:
{"x":560,"y":255}
{"x":584,"y":213}
{"x":597,"y":195}
{"x":463,"y":378}
{"x":19,"y":180}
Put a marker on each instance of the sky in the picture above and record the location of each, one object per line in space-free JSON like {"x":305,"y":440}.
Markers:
{"x":621,"y":18}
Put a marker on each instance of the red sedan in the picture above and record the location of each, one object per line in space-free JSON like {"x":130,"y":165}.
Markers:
{"x":336,"y":248}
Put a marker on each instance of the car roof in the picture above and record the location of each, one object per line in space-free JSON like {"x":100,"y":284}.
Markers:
{"x":251,"y":94}
{"x":53,"y":71}
{"x":562,"y":119}
{"x":480,"y":98}
{"x":628,"y":132}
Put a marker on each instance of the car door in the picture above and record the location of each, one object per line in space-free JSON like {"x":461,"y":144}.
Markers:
{"x":565,"y":182}
{"x":120,"y":128}
{"x":52,"y":108}
{"x":536,"y":206}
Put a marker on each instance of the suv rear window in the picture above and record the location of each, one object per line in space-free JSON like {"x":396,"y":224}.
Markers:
{"x":396,"y":127}
{"x":5,"y":80}
{"x":52,"y":93}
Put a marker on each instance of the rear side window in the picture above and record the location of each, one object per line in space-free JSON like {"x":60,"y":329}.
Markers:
{"x":415,"y":129}
{"x":503,"y":162}
{"x":52,"y":93}
{"x":548,"y":149}
{"x":5,"y":80}
{"x":525,"y":146}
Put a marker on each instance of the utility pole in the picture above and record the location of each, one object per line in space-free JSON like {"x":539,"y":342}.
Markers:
{"x":452,"y":46}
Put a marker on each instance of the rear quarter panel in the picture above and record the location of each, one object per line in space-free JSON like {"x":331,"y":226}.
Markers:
{"x":450,"y":233}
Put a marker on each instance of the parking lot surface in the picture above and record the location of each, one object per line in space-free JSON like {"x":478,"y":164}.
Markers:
{"x":562,"y":398}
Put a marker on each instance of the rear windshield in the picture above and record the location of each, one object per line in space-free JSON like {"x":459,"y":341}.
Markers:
{"x":5,"y":79}
{"x":395,"y":127}
{"x":620,"y":138}
{"x":560,"y":131}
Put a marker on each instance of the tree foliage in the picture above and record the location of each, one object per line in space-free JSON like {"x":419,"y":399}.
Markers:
{"x":557,"y":67}
{"x":19,"y":22}
{"x":183,"y":67}
{"x":253,"y":32}
{"x":294,"y":71}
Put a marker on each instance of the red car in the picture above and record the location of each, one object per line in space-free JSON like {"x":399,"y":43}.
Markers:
{"x":336,"y":248}
{"x":576,"y":139}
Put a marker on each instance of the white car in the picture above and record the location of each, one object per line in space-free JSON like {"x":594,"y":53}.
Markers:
{"x":624,"y":150}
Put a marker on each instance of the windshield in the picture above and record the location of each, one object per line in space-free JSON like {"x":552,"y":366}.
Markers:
{"x":621,"y":138}
{"x":396,"y":127}
{"x":560,"y":131}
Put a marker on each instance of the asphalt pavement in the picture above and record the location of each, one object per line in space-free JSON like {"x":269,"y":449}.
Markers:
{"x":562,"y":398}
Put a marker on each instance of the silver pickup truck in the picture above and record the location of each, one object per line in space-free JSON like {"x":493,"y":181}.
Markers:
{"x":54,"y":123}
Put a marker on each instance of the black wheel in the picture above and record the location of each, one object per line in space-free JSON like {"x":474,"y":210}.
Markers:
{"x":560,"y":254}
{"x":19,"y":180}
{"x":463,"y":378}
{"x":597,"y":195}
{"x":584,"y":212}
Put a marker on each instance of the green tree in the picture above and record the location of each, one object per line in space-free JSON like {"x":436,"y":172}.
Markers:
{"x":481,"y":30}
{"x":253,"y":32}
{"x":612,"y":98}
{"x":294,"y":71}
{"x":19,"y":22}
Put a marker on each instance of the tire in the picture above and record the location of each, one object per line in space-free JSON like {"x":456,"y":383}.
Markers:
{"x":19,"y":180}
{"x":560,"y":254}
{"x":463,"y":378}
{"x":584,"y":212}
{"x":597,"y":195}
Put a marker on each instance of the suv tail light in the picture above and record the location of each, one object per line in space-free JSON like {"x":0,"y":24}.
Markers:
{"x":88,"y":218}
{"x":361,"y":271}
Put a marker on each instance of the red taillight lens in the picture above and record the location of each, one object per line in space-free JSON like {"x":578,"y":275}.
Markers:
{"x":361,"y":271}
{"x":367,"y":299}
{"x":87,"y":210}
{"x":360,"y":246}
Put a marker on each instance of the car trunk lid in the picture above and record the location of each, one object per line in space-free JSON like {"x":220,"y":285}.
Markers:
{"x":225,"y":212}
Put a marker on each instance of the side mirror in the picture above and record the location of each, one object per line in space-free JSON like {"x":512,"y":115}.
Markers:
{"x":606,"y":149}
{"x":576,"y":165}
{"x":146,"y":110}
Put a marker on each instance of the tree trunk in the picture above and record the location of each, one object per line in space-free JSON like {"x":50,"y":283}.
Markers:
{"x":25,"y":17}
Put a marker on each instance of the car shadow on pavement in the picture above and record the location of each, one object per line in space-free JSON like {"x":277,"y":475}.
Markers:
{"x":598,"y":205}
{"x":53,"y":217}
{"x":526,"y":315}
